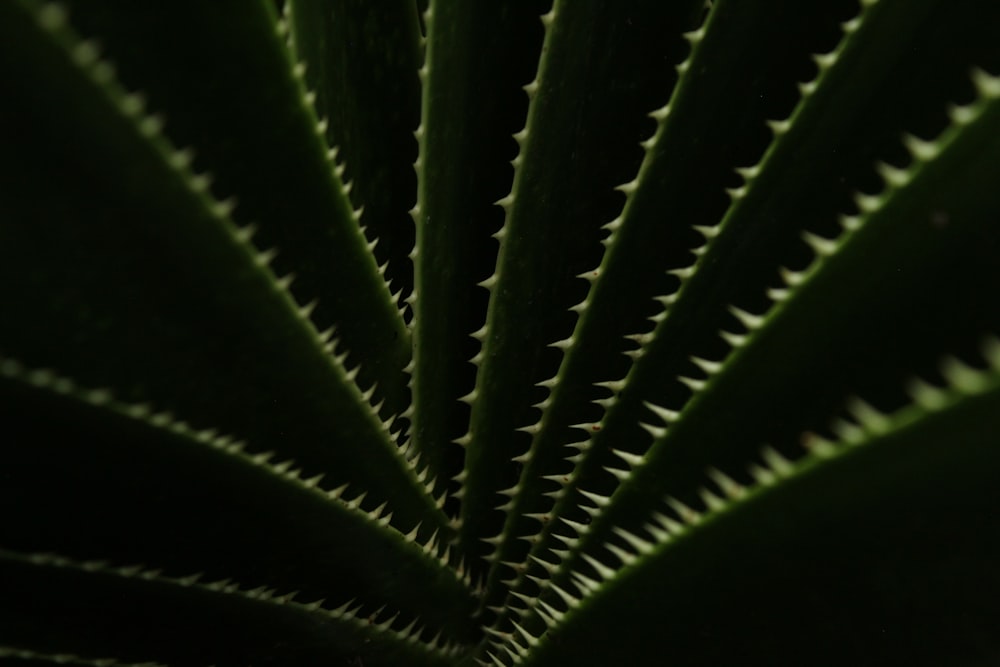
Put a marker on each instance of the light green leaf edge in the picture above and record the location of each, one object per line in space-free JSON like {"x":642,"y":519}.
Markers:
{"x":635,"y":554}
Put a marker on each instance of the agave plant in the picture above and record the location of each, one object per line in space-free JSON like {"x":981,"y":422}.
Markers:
{"x":398,"y":333}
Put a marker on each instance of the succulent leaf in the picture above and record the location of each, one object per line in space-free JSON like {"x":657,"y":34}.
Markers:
{"x":499,"y":333}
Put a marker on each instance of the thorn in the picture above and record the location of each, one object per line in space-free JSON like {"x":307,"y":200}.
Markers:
{"x":920,"y":149}
{"x":825,"y":60}
{"x":709,"y":367}
{"x":779,"y":127}
{"x":633,"y":460}
{"x":668,"y":416}
{"x":603,"y":571}
{"x":656,"y":431}
{"x":748,"y":320}
{"x":821,"y":246}
{"x":694,"y":384}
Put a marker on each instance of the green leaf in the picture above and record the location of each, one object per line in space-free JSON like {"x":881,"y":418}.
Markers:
{"x":843,"y":555}
{"x":193,"y":291}
{"x":410,"y":333}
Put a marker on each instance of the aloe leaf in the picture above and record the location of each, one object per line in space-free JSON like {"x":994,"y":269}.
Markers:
{"x":265,"y":145}
{"x":22,"y":657}
{"x":831,"y":290}
{"x":194,"y":291}
{"x":483,"y":439}
{"x":840,"y":98}
{"x":88,"y":602}
{"x":146,"y":487}
{"x":833,"y":285}
{"x":839,"y":554}
{"x":462,"y":122}
{"x":721,"y":98}
{"x":361,"y":60}
{"x":848,"y":95}
{"x":551,"y":231}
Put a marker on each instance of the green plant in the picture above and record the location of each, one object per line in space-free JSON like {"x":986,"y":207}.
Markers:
{"x":202,"y":465}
